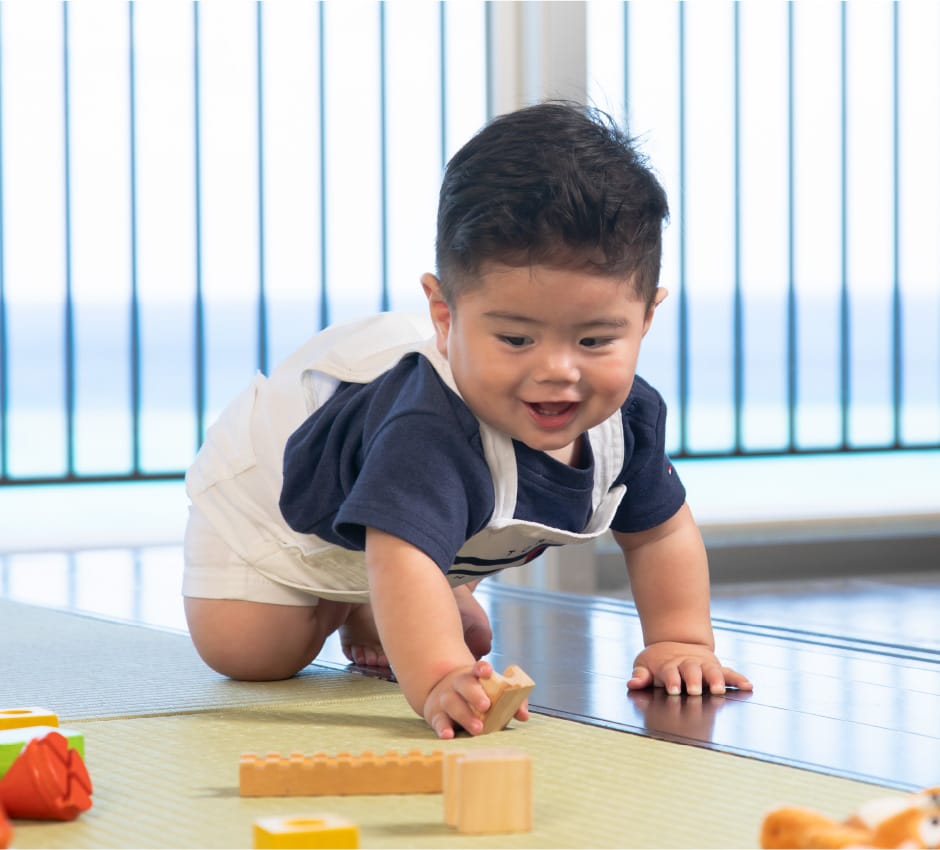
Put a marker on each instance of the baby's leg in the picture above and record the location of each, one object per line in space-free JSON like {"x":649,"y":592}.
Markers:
{"x":477,"y":631}
{"x":360,"y":640}
{"x":243,"y":624}
{"x":261,"y":641}
{"x":362,"y":645}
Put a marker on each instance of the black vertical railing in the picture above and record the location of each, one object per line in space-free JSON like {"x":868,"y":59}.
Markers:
{"x":442,"y":47}
{"x":792,"y":364}
{"x":324,"y":177}
{"x":262,"y":288}
{"x":743,"y":327}
{"x":682,"y":340}
{"x":897,"y":370}
{"x":384,"y":299}
{"x":69,"y":304}
{"x":199,"y":318}
{"x":845,"y":342}
{"x":737,"y":319}
{"x":134,"y":316}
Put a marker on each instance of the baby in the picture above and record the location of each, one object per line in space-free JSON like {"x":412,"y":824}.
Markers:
{"x":390,"y":464}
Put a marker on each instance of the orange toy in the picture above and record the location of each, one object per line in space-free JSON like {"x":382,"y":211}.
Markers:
{"x":898,"y":822}
{"x":47,"y":781}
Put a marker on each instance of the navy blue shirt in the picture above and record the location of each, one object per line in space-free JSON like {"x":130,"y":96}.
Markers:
{"x":403,"y":454}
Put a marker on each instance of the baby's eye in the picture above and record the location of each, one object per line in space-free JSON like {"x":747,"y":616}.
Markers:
{"x":515,"y":341}
{"x":595,"y":341}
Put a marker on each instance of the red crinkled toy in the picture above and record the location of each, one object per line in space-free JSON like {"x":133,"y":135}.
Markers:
{"x":48,"y":781}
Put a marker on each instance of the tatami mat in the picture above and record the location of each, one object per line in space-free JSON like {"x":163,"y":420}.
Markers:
{"x":85,"y":667}
{"x":163,"y":739}
{"x":172,"y":782}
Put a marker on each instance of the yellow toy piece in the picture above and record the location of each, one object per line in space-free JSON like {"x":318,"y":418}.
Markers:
{"x":911,"y":822}
{"x":319,"y":830}
{"x":16,"y":718}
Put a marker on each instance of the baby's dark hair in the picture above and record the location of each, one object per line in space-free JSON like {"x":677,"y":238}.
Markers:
{"x":556,"y":184}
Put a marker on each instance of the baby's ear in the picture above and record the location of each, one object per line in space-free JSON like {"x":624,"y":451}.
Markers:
{"x":658,"y":298}
{"x":439,"y":310}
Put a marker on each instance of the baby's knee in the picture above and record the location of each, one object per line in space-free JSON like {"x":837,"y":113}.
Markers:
{"x":253,"y":642}
{"x":246,"y":664}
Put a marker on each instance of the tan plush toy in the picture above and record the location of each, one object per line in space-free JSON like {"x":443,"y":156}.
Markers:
{"x":897,"y":822}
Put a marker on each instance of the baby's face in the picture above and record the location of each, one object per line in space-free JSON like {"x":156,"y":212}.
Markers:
{"x":543,"y":354}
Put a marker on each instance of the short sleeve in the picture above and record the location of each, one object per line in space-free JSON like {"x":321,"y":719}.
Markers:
{"x":401,"y":454}
{"x":421,"y":482}
{"x":654,"y":491}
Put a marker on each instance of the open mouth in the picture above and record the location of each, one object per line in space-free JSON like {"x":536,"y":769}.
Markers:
{"x":552,"y":408}
{"x":552,"y":414}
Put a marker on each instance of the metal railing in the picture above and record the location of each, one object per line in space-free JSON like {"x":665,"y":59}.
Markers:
{"x":794,"y":139}
{"x":187,"y":191}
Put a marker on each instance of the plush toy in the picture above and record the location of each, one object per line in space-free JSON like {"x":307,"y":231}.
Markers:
{"x":898,"y":822}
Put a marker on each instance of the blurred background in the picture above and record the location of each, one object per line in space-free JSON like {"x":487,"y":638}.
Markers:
{"x":189,"y":190}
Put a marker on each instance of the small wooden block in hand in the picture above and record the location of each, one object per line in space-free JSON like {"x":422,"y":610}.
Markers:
{"x":506,"y":692}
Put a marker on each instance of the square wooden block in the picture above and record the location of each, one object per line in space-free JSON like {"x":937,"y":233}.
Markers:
{"x":488,"y":791}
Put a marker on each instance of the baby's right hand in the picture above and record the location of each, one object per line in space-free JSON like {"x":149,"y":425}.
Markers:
{"x":459,"y":700}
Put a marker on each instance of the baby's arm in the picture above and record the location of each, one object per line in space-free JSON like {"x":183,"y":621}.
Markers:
{"x":419,"y":625}
{"x":668,"y":570}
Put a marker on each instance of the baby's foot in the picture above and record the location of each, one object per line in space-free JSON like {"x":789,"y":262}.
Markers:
{"x":359,"y":638}
{"x":477,"y":632}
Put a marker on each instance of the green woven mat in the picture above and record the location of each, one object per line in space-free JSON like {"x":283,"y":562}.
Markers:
{"x":85,"y":667}
{"x":172,"y":782}
{"x":164,"y":734}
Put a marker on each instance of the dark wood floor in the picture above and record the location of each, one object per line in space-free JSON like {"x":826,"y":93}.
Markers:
{"x":846,"y":673}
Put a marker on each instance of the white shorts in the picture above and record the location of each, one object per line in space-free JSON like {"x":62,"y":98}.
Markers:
{"x":213,"y":570}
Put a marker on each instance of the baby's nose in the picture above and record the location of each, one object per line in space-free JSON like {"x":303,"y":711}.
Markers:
{"x":559,"y":366}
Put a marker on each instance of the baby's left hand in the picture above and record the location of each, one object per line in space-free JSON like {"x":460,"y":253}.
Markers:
{"x":669,"y":664}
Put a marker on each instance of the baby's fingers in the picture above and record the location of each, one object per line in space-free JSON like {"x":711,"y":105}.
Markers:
{"x":734,"y":679}
{"x":642,"y":678}
{"x":446,"y":709}
{"x":713,"y":675}
{"x":441,"y":724}
{"x":692,"y":672}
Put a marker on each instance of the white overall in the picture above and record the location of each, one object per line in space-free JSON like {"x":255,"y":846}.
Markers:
{"x":235,"y":480}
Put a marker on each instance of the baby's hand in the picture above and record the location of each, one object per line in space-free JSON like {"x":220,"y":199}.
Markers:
{"x":459,"y":700}
{"x":669,"y":664}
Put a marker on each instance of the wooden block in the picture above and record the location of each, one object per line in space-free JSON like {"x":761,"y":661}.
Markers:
{"x":506,"y":692}
{"x":317,"y":830}
{"x":16,"y":718}
{"x":488,"y":791}
{"x":320,"y":774}
{"x":449,"y":785}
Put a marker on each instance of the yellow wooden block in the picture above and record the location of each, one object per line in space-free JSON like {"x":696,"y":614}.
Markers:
{"x":488,"y":791}
{"x":506,"y":692}
{"x":16,"y":718}
{"x":315,"y":830}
